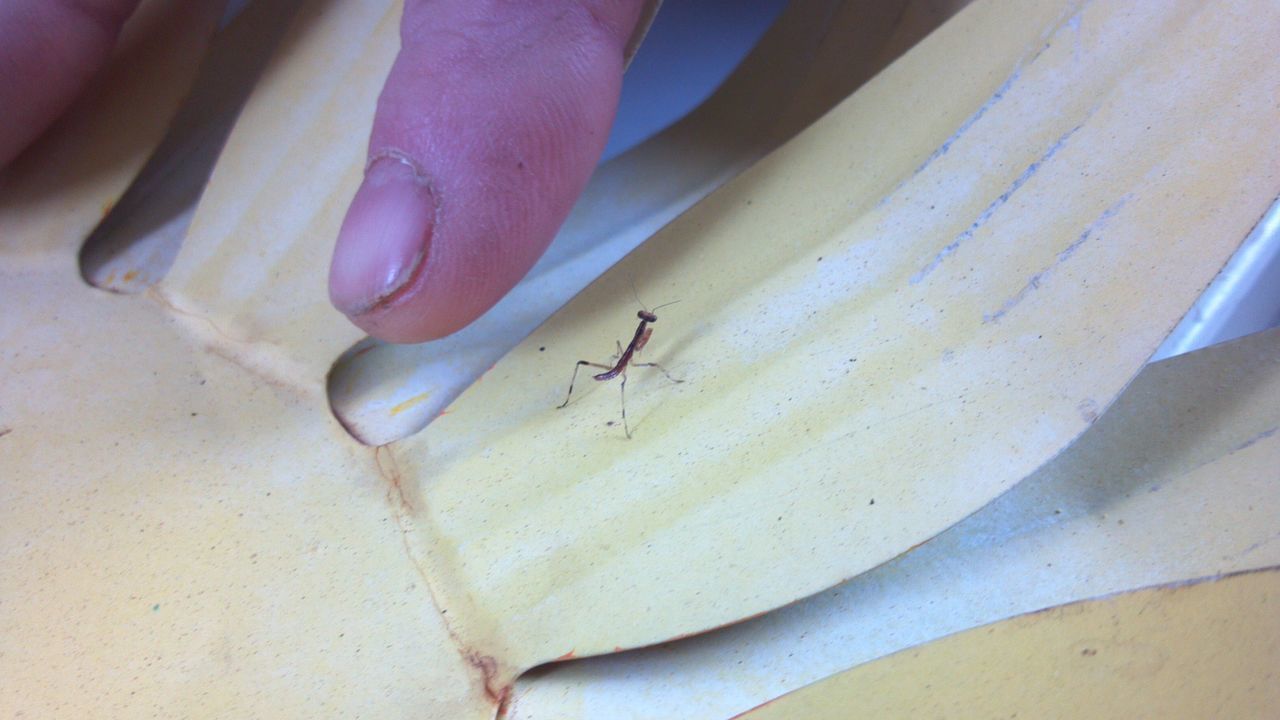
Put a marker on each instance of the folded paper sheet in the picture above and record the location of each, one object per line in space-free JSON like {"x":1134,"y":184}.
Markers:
{"x":1176,"y":481}
{"x":1205,"y":649}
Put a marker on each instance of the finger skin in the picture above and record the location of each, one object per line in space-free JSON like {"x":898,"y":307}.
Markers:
{"x":490,"y":123}
{"x":49,"y":50}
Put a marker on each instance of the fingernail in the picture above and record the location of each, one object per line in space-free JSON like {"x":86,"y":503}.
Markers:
{"x":384,"y":238}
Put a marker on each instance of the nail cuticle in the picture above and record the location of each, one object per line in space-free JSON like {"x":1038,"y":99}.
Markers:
{"x":402,"y":157}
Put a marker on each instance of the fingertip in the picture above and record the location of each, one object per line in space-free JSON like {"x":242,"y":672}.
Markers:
{"x":505,"y":121}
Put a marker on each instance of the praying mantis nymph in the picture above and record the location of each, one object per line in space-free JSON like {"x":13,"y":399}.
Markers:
{"x":625,"y":357}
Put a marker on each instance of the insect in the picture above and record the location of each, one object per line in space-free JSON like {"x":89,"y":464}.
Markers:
{"x":625,"y":356}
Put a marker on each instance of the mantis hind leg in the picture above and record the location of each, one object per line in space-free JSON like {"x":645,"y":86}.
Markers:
{"x":623,"y":390}
{"x":661,"y":369}
{"x":574,"y":379}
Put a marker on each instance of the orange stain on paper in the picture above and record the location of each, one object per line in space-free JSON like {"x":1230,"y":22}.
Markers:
{"x":415,"y":400}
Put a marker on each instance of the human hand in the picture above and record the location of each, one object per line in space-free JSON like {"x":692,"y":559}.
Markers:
{"x":491,"y":121}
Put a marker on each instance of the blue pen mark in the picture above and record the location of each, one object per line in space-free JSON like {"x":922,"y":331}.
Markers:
{"x":996,"y":97}
{"x":994,"y":206}
{"x":964,"y":128}
{"x":1255,"y":440}
{"x":1072,"y":23}
{"x":1035,"y":281}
